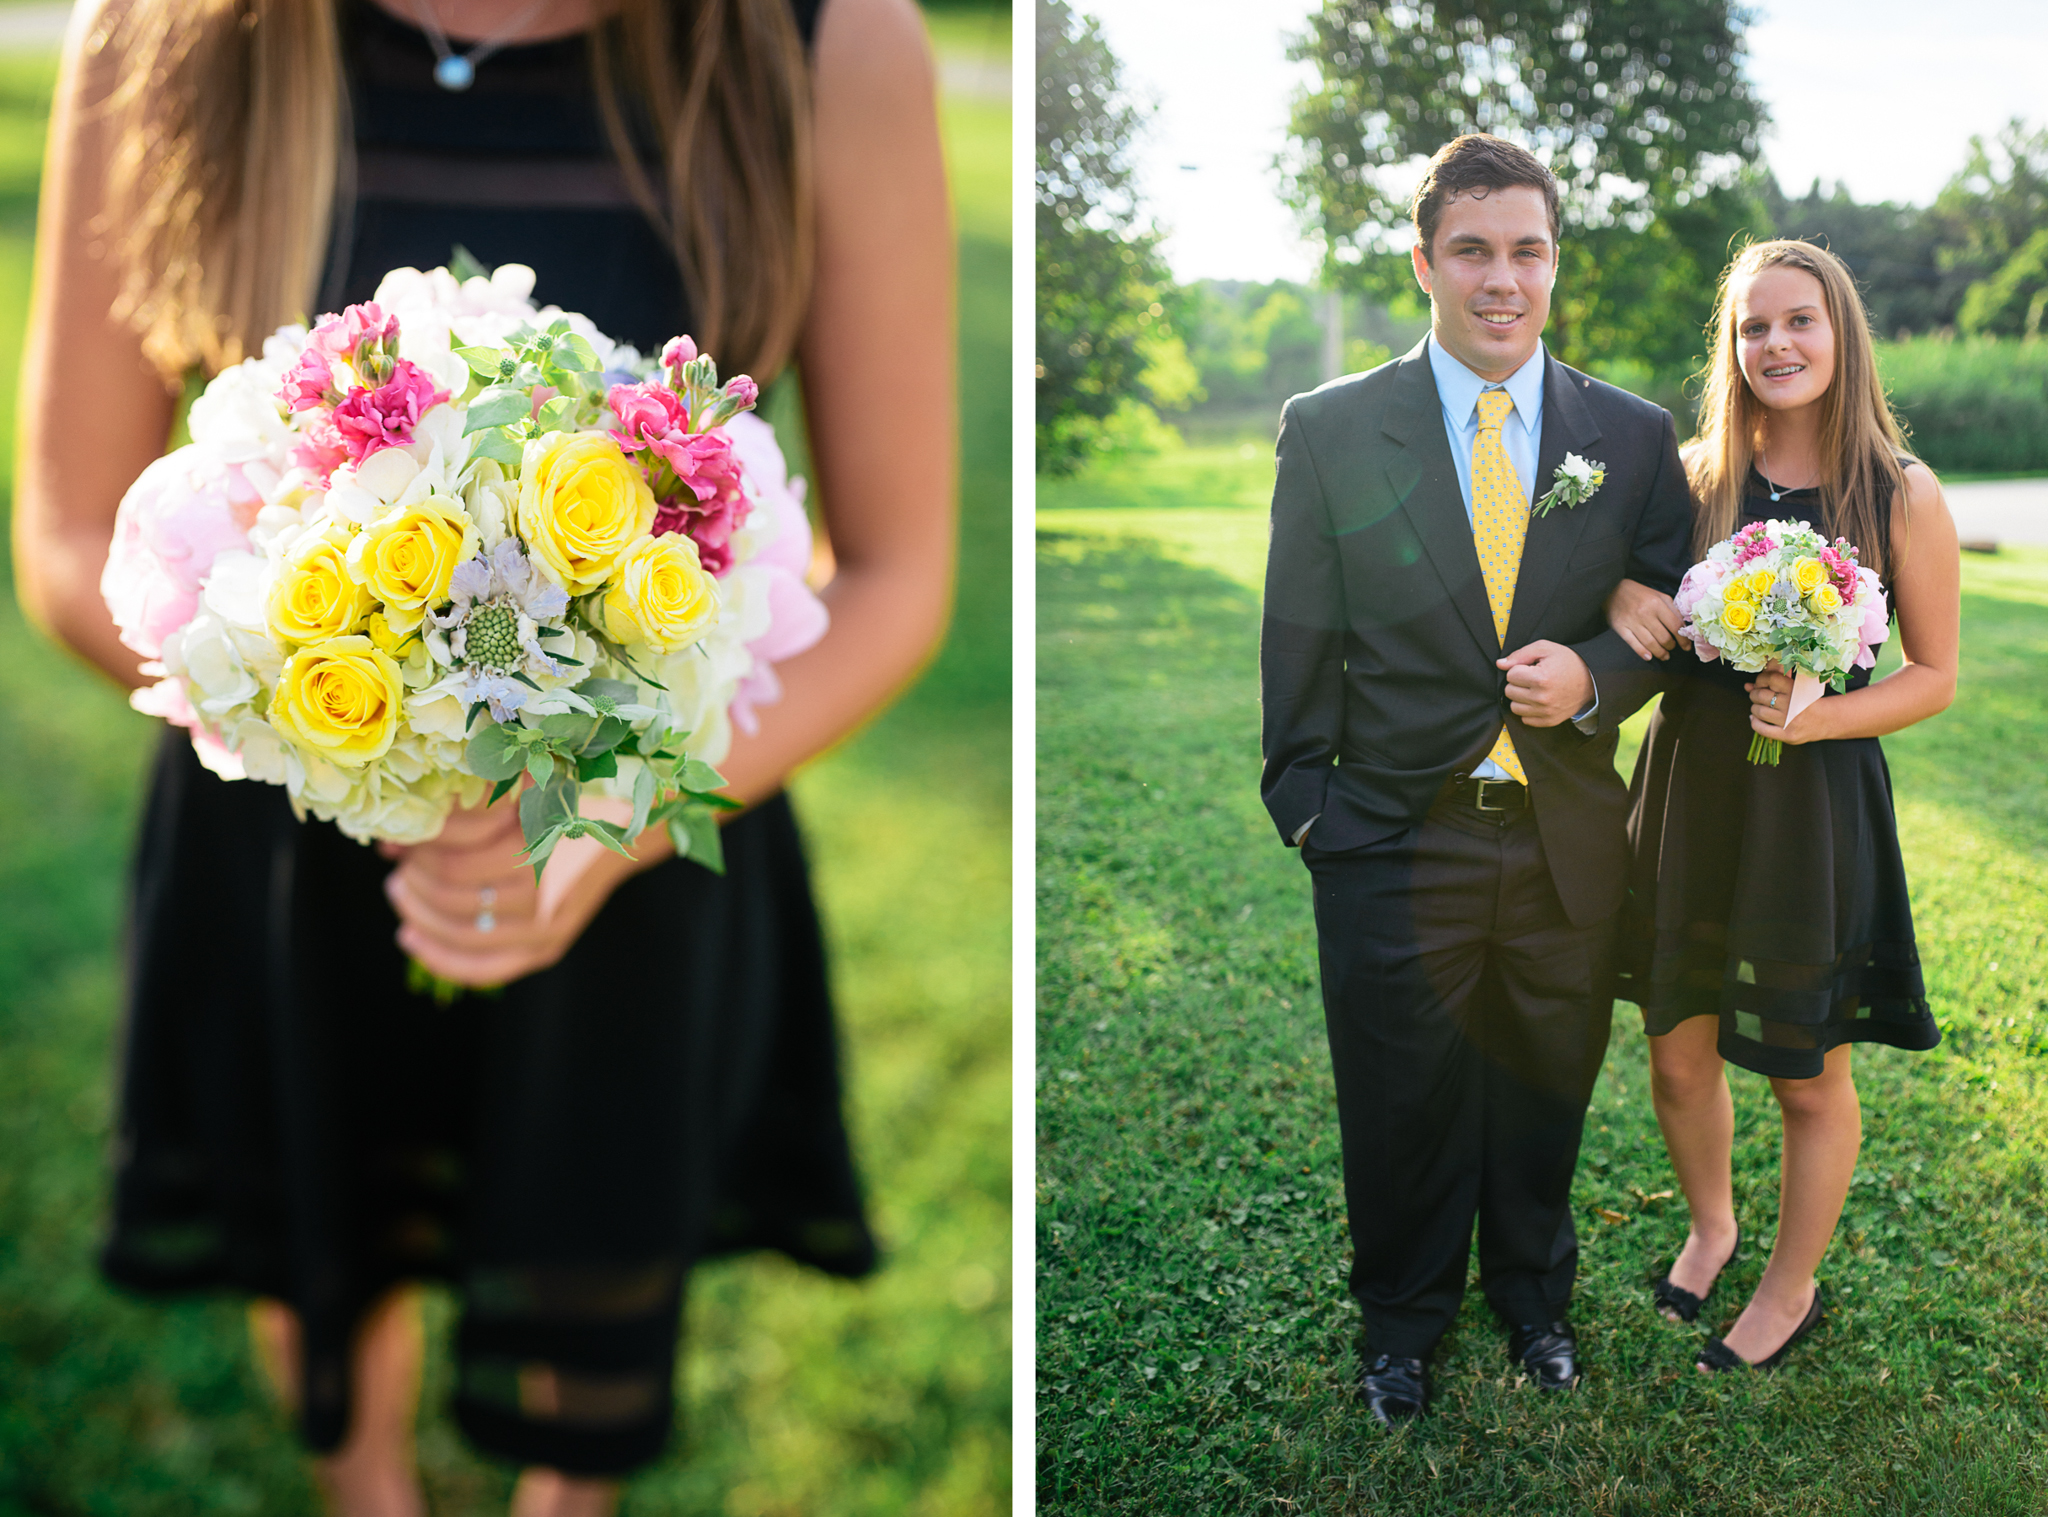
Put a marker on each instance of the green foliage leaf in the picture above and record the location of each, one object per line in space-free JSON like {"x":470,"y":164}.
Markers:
{"x":497,"y":407}
{"x":596,"y":766}
{"x":695,"y":774}
{"x":465,"y":265}
{"x":645,"y":787}
{"x":556,"y":414}
{"x":483,"y":362}
{"x":499,"y":446}
{"x":694,"y":831}
{"x":498,"y":790}
{"x":495,"y":753}
{"x":575,"y":355}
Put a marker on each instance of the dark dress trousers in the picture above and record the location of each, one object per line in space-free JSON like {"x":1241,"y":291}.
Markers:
{"x":1464,"y":954}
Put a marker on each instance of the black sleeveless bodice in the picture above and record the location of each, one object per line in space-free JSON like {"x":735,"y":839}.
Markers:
{"x":1773,"y":898}
{"x":295,"y":1123}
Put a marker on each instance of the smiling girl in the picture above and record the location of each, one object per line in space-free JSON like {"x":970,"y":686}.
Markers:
{"x":1767,"y":922}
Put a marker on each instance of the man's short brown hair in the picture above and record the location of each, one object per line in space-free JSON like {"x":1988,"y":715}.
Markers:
{"x":1475,"y":164}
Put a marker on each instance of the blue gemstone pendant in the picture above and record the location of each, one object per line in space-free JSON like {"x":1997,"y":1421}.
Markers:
{"x":455,"y":73}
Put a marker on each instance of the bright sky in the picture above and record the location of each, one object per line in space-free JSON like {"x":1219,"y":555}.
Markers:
{"x":1881,"y":95}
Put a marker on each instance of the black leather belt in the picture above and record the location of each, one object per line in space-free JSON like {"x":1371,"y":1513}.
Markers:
{"x":1495,"y":797}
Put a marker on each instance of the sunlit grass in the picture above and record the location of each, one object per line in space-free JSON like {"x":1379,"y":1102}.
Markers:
{"x":1195,"y":1340}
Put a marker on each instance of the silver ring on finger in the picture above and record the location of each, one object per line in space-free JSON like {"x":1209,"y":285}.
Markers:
{"x":1774,"y":702}
{"x":486,"y":898}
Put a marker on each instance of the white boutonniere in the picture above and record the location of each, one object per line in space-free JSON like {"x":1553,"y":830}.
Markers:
{"x":1574,"y":483}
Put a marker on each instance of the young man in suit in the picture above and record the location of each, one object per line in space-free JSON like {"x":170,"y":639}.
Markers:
{"x":1440,"y":692}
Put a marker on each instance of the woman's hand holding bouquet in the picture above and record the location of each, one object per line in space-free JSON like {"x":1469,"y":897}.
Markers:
{"x":1778,"y":599}
{"x":445,"y":548}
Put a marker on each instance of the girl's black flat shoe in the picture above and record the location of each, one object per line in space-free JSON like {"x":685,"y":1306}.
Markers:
{"x":1716,"y":1356}
{"x":1678,"y":1299}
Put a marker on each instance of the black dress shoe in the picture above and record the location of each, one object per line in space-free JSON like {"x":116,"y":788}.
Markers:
{"x":1549,"y":1352}
{"x":1681,"y":1302}
{"x":1717,"y":1357}
{"x":1394,"y":1389}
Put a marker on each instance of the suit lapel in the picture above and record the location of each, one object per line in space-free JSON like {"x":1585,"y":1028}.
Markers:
{"x":1568,"y":427}
{"x":1425,"y":481}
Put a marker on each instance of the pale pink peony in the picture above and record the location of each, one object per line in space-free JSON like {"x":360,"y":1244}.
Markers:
{"x":182,"y":513}
{"x":1699,"y":579}
{"x":797,"y":618}
{"x":370,"y":421}
{"x":168,"y":699}
{"x":1876,"y":619}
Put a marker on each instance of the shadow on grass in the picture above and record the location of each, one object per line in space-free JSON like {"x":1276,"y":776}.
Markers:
{"x":1195,"y":1341}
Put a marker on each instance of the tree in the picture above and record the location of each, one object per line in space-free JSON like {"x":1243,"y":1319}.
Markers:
{"x":1105,"y":343}
{"x":1996,"y":211}
{"x":1638,"y":106}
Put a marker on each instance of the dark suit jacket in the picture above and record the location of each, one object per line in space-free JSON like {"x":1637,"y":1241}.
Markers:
{"x":1376,"y":660}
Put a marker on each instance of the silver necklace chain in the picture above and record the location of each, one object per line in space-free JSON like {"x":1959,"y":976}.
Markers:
{"x":1763,"y":464}
{"x":455,"y":71}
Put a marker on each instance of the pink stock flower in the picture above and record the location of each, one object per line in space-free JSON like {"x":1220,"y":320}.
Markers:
{"x":182,"y":513}
{"x":370,"y":421}
{"x":677,"y":352}
{"x":646,"y":412}
{"x":344,"y":336}
{"x":308,"y":382}
{"x":696,"y":478}
{"x":321,"y":449}
{"x":743,"y":390}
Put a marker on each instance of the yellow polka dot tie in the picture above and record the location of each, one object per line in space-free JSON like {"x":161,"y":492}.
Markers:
{"x":1500,"y":520}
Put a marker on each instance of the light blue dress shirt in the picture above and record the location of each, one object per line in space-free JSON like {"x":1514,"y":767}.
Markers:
{"x":1521,"y":438}
{"x":1521,"y":435}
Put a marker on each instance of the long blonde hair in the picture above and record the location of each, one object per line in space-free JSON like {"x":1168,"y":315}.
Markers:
{"x":232,"y":139}
{"x":1862,"y":442}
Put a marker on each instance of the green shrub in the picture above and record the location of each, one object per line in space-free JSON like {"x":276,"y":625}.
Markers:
{"x":1977,"y":405}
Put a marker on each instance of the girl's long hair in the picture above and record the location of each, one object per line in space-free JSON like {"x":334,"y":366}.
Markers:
{"x":1862,"y":443}
{"x":232,"y":141}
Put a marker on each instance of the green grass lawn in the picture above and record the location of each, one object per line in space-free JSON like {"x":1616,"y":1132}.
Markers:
{"x":1195,"y":1341}
{"x":800,"y":1394}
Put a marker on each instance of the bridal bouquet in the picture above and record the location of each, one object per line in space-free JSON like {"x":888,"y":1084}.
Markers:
{"x":444,"y":541}
{"x":1778,"y":590}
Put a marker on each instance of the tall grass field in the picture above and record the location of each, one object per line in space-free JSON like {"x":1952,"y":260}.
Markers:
{"x":1196,"y":1345}
{"x":799,"y":1394}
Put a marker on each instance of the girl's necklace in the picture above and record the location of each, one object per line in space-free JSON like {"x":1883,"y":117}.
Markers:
{"x":1763,"y":463}
{"x":455,"y":71}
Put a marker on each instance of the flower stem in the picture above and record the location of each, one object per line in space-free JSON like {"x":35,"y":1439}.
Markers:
{"x":1765,"y":750}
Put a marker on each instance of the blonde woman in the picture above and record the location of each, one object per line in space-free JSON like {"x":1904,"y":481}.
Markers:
{"x":1767,"y":924}
{"x":763,"y":174}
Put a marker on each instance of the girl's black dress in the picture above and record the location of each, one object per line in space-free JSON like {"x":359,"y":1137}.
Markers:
{"x":1772,"y":898}
{"x":294,"y":1123}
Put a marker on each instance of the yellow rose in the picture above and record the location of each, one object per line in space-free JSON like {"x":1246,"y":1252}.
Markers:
{"x":388,"y":641}
{"x":1737,"y":616}
{"x":1760,"y":582}
{"x":407,"y":557}
{"x":660,"y":596}
{"x":314,"y":596}
{"x":1736,"y":593}
{"x":1808,"y":572}
{"x":341,"y":698}
{"x":581,"y":505}
{"x":1826,"y":600}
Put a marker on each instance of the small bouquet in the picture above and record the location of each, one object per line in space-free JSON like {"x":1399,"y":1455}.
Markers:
{"x":1778,"y":590}
{"x":444,"y":542}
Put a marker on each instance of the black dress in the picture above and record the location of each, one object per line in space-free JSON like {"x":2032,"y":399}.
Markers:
{"x":294,"y":1123}
{"x":1772,"y":898}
